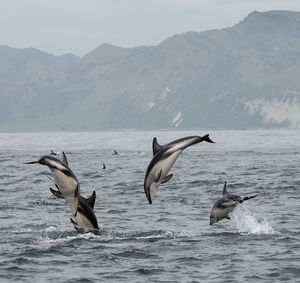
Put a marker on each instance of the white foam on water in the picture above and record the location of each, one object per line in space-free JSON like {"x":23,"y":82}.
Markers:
{"x":51,"y":229}
{"x":246,"y":222}
{"x":52,"y":234}
{"x":21,"y":231}
{"x":163,"y":234}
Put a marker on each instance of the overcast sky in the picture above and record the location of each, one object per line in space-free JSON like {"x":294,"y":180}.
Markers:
{"x":79,"y":26}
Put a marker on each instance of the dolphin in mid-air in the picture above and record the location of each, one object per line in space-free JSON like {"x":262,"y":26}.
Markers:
{"x":64,"y":178}
{"x":163,"y":159}
{"x":85,"y":219}
{"x":225,"y":205}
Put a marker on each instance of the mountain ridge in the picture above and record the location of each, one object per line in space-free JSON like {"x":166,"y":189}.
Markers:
{"x":239,"y":77}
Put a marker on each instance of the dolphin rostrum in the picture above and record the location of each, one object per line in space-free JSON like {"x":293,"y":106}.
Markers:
{"x":225,"y":205}
{"x":163,"y":159}
{"x":64,"y":178}
{"x":85,"y":219}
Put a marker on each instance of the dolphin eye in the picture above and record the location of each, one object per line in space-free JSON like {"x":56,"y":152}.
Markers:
{"x":42,"y":160}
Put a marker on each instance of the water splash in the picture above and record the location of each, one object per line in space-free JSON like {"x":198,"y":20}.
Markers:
{"x":246,"y":222}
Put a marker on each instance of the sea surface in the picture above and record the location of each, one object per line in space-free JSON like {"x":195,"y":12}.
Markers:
{"x":168,"y":241}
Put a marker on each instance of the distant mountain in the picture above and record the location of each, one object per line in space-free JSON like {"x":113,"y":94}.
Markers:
{"x":241,"y":77}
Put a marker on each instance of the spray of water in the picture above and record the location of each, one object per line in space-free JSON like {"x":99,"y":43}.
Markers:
{"x":246,"y":222}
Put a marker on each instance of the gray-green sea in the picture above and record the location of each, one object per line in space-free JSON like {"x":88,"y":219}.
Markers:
{"x":168,"y":241}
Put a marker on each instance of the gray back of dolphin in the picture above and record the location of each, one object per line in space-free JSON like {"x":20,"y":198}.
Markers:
{"x":225,"y":205}
{"x":163,"y":159}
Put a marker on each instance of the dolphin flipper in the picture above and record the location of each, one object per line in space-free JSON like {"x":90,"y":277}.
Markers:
{"x":56,"y":193}
{"x":167,"y":178}
{"x":78,"y":229}
{"x":76,"y":191}
{"x":158,"y":176}
{"x":73,"y":221}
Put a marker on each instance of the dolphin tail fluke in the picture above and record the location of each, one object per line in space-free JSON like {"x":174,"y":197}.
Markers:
{"x":250,"y":197}
{"x":207,"y":139}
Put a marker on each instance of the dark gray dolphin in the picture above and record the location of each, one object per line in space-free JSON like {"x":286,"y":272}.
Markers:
{"x":225,"y":205}
{"x":85,"y":219}
{"x":64,"y":178}
{"x":163,"y":159}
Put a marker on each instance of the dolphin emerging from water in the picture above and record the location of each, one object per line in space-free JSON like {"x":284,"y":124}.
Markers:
{"x":162,"y":161}
{"x":64,"y":178}
{"x":225,"y":205}
{"x":85,"y":219}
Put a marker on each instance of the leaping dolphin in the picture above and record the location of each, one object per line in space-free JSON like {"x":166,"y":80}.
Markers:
{"x":64,"y":178}
{"x":85,"y":219}
{"x":162,"y":161}
{"x":225,"y":205}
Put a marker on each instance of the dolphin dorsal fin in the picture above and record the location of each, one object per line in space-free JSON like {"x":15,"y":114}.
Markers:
{"x":225,"y":189}
{"x":65,"y":160}
{"x":91,"y":199}
{"x":155,"y":146}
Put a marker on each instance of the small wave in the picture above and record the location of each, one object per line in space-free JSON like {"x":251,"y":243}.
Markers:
{"x":22,"y":231}
{"x":51,"y":229}
{"x":52,"y":234}
{"x":148,"y":236}
{"x":159,"y":235}
{"x":247,"y":223}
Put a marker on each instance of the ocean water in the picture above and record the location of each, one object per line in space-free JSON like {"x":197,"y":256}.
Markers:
{"x":168,"y":241}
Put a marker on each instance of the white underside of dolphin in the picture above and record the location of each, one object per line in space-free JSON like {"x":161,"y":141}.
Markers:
{"x":68,"y":187}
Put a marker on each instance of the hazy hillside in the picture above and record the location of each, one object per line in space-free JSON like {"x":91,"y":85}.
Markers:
{"x":245,"y":76}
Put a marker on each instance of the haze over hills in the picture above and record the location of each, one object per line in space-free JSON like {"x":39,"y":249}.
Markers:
{"x":241,"y":77}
